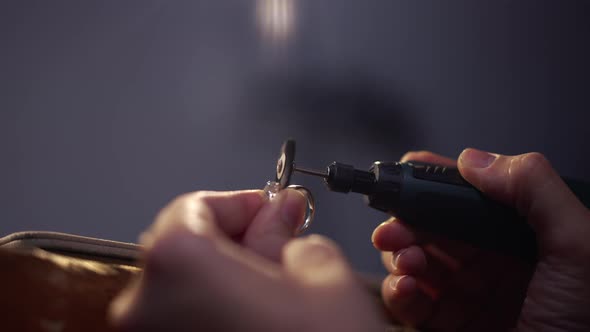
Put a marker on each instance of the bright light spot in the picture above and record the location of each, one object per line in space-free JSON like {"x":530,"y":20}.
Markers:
{"x":276,"y":19}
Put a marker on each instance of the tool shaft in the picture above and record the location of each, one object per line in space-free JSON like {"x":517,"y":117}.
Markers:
{"x":310,"y":171}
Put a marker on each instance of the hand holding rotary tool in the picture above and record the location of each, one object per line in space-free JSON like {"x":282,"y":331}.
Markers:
{"x":431,"y":198}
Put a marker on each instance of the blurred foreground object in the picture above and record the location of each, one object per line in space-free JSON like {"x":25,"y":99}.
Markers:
{"x":50,"y":292}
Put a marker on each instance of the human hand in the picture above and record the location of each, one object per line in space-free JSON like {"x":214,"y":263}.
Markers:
{"x":438,"y":284}
{"x":226,"y":262}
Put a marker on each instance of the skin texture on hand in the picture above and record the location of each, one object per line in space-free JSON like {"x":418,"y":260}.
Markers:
{"x":435,"y":283}
{"x":227,"y":262}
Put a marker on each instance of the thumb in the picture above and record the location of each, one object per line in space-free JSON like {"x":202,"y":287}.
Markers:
{"x":275,"y":224}
{"x":528,"y":183}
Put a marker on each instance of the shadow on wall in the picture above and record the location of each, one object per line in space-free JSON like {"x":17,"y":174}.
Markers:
{"x":338,"y":105}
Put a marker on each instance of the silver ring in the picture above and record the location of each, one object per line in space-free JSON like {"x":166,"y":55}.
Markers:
{"x":310,"y":212}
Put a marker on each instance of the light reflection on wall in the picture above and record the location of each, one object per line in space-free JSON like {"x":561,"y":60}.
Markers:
{"x":276,"y":19}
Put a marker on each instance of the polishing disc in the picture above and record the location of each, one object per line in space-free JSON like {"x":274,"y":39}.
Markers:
{"x":285,"y":163}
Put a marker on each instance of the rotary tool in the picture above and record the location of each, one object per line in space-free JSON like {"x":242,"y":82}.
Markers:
{"x":431,"y":198}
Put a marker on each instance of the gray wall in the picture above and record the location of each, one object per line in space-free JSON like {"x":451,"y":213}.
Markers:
{"x":111,"y":108}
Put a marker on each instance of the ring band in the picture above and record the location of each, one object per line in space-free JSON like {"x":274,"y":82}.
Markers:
{"x":310,"y":211}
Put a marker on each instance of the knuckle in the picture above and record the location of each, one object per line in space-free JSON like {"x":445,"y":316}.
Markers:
{"x":528,"y":169}
{"x":182,"y":201}
{"x":190,"y":202}
{"x":528,"y":165}
{"x":191,"y":198}
{"x":527,"y":173}
{"x":537,"y":162}
{"x":178,"y":207}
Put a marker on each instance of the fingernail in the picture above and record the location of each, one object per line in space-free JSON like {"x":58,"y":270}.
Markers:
{"x":292,"y":207}
{"x":396,"y":257}
{"x":386,"y":222}
{"x":394,"y":281}
{"x":474,"y":158}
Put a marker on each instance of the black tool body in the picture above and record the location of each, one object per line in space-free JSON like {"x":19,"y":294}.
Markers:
{"x":438,"y":200}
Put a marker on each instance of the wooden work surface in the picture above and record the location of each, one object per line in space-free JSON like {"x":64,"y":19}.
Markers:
{"x":47,"y":292}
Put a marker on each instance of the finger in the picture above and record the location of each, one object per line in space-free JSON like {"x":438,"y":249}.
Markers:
{"x":408,"y":261}
{"x":167,"y":268}
{"x":393,"y":235}
{"x":459,"y":297}
{"x":187,"y":271}
{"x":275,"y":224}
{"x":318,"y":266}
{"x":455,"y":254}
{"x":428,"y":157}
{"x":190,"y":246}
{"x":432,"y":273}
{"x":316,"y":261}
{"x":226,"y":213}
{"x":405,"y":301}
{"x":529,"y":183}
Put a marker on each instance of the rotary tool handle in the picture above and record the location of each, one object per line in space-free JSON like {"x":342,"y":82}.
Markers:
{"x":437,"y":199}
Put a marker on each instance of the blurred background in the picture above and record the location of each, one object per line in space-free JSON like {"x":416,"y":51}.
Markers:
{"x":109,"y":109}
